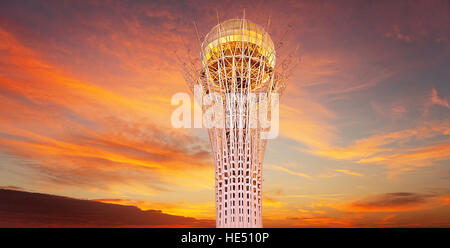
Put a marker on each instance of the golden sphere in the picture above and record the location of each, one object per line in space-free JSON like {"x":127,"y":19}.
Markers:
{"x":238,"y":54}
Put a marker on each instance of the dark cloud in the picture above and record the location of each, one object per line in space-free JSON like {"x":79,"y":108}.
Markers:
{"x":398,"y":201}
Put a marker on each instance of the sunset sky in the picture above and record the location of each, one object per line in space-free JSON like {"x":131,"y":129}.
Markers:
{"x":85,"y":107}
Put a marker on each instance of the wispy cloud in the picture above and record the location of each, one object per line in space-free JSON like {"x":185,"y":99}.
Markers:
{"x":435,"y":99}
{"x":290,"y":172}
{"x":395,"y":149}
{"x":338,"y":172}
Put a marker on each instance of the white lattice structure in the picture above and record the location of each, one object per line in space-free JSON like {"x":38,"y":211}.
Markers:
{"x":238,"y":59}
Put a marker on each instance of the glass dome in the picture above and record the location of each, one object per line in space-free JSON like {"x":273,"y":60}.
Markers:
{"x":238,"y":50}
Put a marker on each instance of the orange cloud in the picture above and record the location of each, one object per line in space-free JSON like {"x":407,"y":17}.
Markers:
{"x":272,"y":202}
{"x":393,"y":149}
{"x":81,"y":132}
{"x":446,"y":200}
{"x":322,"y":221}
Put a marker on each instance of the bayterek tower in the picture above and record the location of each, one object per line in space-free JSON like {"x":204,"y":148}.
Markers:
{"x":238,"y":60}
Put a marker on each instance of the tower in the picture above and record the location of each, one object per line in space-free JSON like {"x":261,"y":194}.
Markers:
{"x":237,"y":66}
